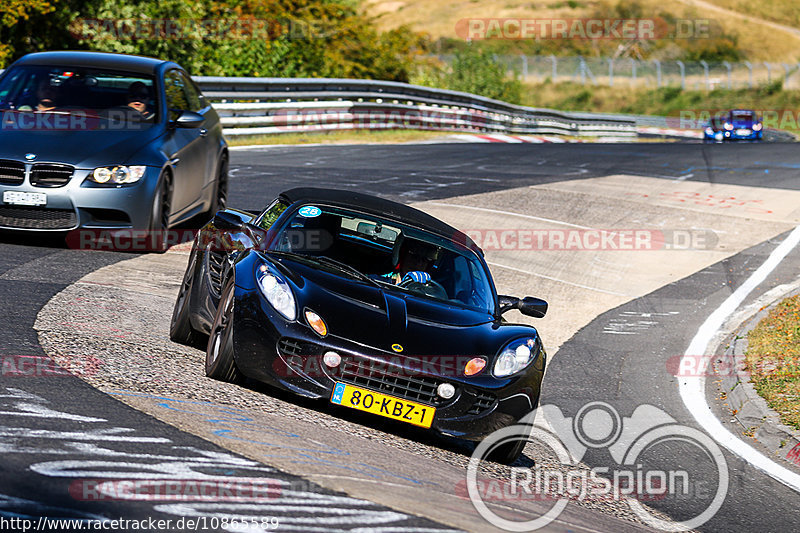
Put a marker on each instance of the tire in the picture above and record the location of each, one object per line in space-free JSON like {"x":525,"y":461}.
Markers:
{"x":159,"y":216}
{"x":180,"y":328}
{"x":508,"y":452}
{"x":220,"y":199}
{"x":219,"y":352}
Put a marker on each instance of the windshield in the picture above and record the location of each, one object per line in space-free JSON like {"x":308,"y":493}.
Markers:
{"x":386,"y":253}
{"x":111,"y":95}
{"x":742,"y":115}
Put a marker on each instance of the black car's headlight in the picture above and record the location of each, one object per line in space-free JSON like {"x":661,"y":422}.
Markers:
{"x":117,"y":175}
{"x":516,"y":356}
{"x":277,"y":292}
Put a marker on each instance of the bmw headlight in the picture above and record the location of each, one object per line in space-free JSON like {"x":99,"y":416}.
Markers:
{"x":516,"y":356}
{"x":117,"y":175}
{"x":277,"y":292}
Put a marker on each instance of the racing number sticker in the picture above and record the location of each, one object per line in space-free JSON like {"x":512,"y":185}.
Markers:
{"x":309,"y":211}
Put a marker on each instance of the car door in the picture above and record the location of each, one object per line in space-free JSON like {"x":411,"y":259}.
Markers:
{"x":186,"y":147}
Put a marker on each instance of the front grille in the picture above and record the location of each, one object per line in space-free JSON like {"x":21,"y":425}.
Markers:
{"x":288,"y":346}
{"x":216,"y":261}
{"x":11,"y":172}
{"x":37,"y":218}
{"x":46,"y":175}
{"x":381,"y":377}
{"x":483,"y":402}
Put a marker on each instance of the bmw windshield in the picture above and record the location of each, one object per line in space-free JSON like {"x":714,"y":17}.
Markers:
{"x":386,"y":253}
{"x":125,"y":98}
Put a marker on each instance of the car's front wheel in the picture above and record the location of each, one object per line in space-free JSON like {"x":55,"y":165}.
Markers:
{"x":220,"y":198}
{"x":508,"y":452}
{"x":219,"y":353}
{"x":159,"y":215}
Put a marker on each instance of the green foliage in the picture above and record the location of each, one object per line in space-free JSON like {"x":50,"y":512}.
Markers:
{"x":302,"y":38}
{"x":475,"y":70}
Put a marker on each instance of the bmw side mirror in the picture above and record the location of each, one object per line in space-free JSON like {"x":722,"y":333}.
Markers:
{"x":530,"y":306}
{"x":189,"y":119}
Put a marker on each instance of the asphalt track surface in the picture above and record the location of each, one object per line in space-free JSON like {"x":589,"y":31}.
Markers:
{"x":590,"y":366}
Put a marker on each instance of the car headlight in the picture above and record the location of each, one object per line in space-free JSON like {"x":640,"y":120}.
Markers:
{"x":117,"y":175}
{"x":757,"y":127}
{"x":709,"y":131}
{"x":277,"y":292}
{"x":515,"y":356}
{"x":728,"y":126}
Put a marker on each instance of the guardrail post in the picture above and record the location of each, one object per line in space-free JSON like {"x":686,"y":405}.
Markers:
{"x":749,"y":66}
{"x":769,"y":72}
{"x":633,"y":71}
{"x":728,"y":66}
{"x":683,"y":74}
{"x":705,"y":73}
{"x":658,"y":72}
{"x":555,"y":67}
{"x":611,"y":72}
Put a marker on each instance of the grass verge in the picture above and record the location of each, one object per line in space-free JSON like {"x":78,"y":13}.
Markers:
{"x":337,"y":137}
{"x":773,"y":360}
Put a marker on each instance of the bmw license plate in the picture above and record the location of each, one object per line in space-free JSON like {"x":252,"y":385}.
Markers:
{"x":383,"y":405}
{"x":742,"y":132}
{"x":24,"y":198}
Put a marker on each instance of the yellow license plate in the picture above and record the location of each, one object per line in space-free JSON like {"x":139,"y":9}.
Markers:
{"x":383,"y":405}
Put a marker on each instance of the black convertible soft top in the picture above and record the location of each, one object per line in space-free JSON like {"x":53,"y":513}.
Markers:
{"x":380,"y":207}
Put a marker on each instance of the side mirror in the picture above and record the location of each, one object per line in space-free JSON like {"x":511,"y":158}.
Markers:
{"x":535,"y":307}
{"x":226,"y":220}
{"x":189,"y":119}
{"x":530,"y":306}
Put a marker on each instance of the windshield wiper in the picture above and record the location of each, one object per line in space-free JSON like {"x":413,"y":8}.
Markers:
{"x":327,"y":261}
{"x":324,"y":259}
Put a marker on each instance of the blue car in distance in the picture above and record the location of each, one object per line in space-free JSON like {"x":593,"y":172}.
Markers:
{"x":737,"y":124}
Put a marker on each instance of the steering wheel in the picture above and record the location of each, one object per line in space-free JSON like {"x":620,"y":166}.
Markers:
{"x":430,"y":288}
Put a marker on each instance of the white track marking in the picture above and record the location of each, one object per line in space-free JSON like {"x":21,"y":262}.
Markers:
{"x":556,"y":279}
{"x":692,"y":389}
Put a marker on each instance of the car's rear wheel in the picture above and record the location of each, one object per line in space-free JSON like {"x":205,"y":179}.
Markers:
{"x":219,"y":353}
{"x":159,"y":215}
{"x":181,"y":330}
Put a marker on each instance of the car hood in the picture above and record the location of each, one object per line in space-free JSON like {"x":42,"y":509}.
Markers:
{"x":81,"y":149}
{"x":385,"y":318}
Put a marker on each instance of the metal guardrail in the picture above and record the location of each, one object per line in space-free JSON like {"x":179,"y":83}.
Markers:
{"x":253,"y":106}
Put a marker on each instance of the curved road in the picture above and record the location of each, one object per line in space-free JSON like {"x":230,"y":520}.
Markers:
{"x":54,"y":426}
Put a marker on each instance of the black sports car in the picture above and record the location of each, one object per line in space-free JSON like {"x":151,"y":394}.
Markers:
{"x":369,"y":303}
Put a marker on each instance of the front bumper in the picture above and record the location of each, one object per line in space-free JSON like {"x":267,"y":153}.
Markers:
{"x":72,"y":206}
{"x":289,"y":355}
